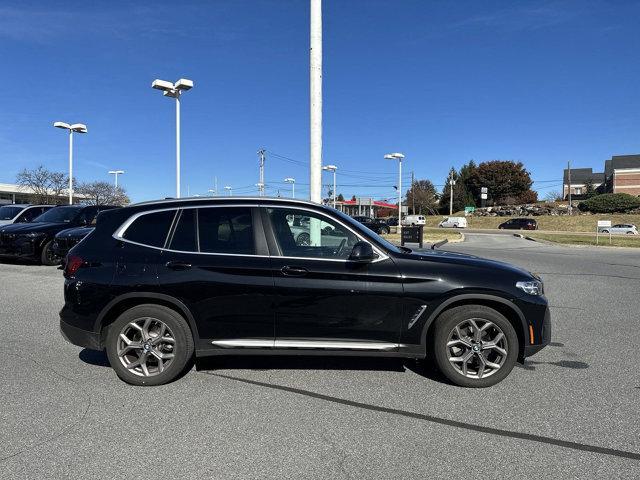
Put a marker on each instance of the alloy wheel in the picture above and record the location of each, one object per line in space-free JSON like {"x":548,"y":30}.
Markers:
{"x":477,"y":348}
{"x":146,"y":346}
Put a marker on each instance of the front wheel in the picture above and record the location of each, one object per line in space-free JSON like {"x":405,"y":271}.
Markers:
{"x":384,"y":231}
{"x":149,"y":345}
{"x":47,"y":257}
{"x":303,"y":240}
{"x":605,"y":231}
{"x":474,"y":346}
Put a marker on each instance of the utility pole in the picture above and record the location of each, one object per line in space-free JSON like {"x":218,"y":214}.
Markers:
{"x":452,"y":182}
{"x":261,"y":181}
{"x":315,"y":102}
{"x":413,"y":194}
{"x":569,"y":186}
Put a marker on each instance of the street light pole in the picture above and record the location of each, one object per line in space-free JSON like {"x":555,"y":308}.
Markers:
{"x":174,"y":90}
{"x":78,"y":128}
{"x":116,"y":173}
{"x":332,"y":168}
{"x":315,"y":102}
{"x":292,"y":181}
{"x":399,"y":157}
{"x":230,"y":189}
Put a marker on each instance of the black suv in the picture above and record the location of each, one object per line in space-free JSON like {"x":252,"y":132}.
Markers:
{"x":378,"y":226}
{"x":519,"y":224}
{"x":156,"y":282}
{"x":34,"y":240}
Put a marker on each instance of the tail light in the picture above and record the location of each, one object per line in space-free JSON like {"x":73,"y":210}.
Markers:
{"x":72,"y":265}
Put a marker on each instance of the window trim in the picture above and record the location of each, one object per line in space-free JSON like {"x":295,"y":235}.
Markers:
{"x":381,"y":255}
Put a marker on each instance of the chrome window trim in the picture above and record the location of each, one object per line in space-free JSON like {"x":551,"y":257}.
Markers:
{"x":118,"y":234}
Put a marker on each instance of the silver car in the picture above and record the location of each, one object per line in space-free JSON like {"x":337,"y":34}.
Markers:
{"x":21,"y":213}
{"x":622,"y":228}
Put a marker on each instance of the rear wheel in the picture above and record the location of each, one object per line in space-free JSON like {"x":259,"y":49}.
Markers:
{"x":303,"y":240}
{"x":474,"y":346}
{"x":47,"y":257}
{"x":384,"y":230}
{"x":149,"y":345}
{"x":605,"y":231}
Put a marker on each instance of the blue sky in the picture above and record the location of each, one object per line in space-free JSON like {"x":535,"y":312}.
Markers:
{"x":444,"y":82}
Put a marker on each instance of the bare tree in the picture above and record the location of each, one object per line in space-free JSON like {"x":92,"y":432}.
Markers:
{"x":47,"y":186}
{"x":102,"y":193}
{"x":553,"y":196}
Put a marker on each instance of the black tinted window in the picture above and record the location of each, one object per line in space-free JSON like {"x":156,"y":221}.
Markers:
{"x":151,"y":228}
{"x":184,"y":237}
{"x":226,"y":230}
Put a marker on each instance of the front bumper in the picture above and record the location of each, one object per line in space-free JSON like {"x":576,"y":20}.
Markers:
{"x":18,"y":246}
{"x":544,"y":339}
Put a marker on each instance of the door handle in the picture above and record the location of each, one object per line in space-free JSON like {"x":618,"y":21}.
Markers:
{"x":294,"y":271}
{"x":178,"y":265}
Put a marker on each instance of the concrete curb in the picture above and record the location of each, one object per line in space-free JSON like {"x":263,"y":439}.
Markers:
{"x":439,"y":244}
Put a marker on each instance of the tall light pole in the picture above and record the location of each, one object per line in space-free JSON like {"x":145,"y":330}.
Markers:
{"x":332,"y":168}
{"x":229,"y":188}
{"x":78,"y":128}
{"x":260,"y":183}
{"x":292,"y":181}
{"x":315,"y":104}
{"x":399,"y":157}
{"x":452,"y":182}
{"x":116,"y":173}
{"x":174,"y":90}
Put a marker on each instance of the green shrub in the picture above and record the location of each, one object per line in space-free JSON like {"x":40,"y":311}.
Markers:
{"x":610,"y":203}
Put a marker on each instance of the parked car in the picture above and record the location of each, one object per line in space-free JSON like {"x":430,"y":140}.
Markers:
{"x":21,"y":213}
{"x":621,"y":228}
{"x":391,"y":221}
{"x":34,"y":240}
{"x":519,"y":224}
{"x":159,"y":282}
{"x":414,"y":220}
{"x":69,"y":238}
{"x":377,"y":226}
{"x":453,"y":222}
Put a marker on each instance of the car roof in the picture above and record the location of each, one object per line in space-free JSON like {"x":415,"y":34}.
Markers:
{"x":225,"y":200}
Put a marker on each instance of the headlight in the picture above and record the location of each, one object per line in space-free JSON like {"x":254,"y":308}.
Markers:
{"x":532,"y":287}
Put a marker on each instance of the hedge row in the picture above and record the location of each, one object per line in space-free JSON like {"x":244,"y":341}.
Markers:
{"x":610,"y":203}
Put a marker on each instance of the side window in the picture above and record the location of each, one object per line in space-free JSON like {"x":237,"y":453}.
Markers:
{"x":150,"y":229}
{"x":29,"y":215}
{"x":88,"y":215}
{"x":184,"y":236}
{"x":226,"y":230}
{"x":318,"y":237}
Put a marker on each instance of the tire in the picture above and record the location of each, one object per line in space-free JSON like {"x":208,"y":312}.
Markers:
{"x":605,"y":231}
{"x":455,"y":225}
{"x":444,"y":333}
{"x":47,"y":256}
{"x":303,"y":240}
{"x":384,"y":231}
{"x":180,"y":348}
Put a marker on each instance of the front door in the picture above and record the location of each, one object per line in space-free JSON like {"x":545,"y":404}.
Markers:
{"x":323,"y":299}
{"x":214,"y":264}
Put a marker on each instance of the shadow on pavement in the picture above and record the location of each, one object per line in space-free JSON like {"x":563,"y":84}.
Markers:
{"x":94,"y":357}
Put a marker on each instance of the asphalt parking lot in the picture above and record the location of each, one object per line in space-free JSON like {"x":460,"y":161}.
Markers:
{"x":572,"y":411}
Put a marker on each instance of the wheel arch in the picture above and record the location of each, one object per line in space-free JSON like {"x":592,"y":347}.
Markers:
{"x":502,"y":305}
{"x":126,"y":301}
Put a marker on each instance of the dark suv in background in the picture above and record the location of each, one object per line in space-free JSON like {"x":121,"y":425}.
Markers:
{"x":156,"y":282}
{"x":376,"y":225}
{"x":519,"y":224}
{"x":34,"y":240}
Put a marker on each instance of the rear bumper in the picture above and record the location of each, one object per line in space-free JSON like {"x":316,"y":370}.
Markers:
{"x":77,"y":335}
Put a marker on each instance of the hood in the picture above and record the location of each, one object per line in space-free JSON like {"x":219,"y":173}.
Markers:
{"x":39,"y":227}
{"x":76,"y":232}
{"x":465,"y":260}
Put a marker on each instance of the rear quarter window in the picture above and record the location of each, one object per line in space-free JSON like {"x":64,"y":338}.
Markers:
{"x":150,"y":229}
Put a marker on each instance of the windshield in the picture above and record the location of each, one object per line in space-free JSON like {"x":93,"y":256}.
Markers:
{"x":9,"y":211}
{"x":59,"y":215}
{"x":360,"y":227}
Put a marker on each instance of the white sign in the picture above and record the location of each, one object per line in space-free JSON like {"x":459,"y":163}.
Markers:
{"x":483,"y":196}
{"x":604,"y":223}
{"x":483,"y":190}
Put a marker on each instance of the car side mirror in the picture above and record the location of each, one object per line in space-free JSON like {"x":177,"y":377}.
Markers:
{"x":362,"y":252}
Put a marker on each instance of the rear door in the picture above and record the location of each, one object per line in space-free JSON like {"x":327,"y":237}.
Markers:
{"x":323,"y":300}
{"x":216,"y":262}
